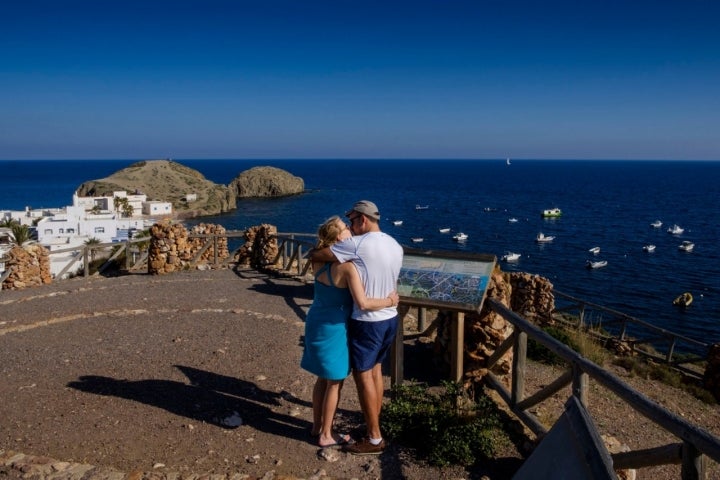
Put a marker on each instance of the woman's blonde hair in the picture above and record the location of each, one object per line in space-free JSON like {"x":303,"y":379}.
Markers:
{"x":329,"y":231}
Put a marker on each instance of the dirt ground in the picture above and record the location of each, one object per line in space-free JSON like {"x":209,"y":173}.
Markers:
{"x":198,"y":373}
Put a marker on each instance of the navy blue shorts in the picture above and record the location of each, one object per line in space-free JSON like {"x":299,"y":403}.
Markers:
{"x":370,"y":342}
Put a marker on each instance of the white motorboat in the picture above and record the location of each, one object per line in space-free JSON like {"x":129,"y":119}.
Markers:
{"x":594,"y":250}
{"x":421,"y":207}
{"x":444,"y":230}
{"x":417,"y":239}
{"x":512,"y":220}
{"x":460,"y":237}
{"x":675,"y":230}
{"x":649,"y":248}
{"x":542,"y":238}
{"x":656,"y":224}
{"x":686,"y":246}
{"x":511,"y":257}
{"x":397,"y":223}
{"x":551,"y":212}
{"x":597,"y":264}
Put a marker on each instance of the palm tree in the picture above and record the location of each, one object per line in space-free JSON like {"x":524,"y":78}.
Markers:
{"x":8,"y":222}
{"x":90,"y":242}
{"x":20,"y":233}
{"x":123,"y":206}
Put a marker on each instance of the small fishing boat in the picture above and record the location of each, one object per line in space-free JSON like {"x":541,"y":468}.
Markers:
{"x":417,"y":239}
{"x":656,"y":224}
{"x":397,"y":223}
{"x":542,"y":238}
{"x":511,"y":257}
{"x":594,"y":250}
{"x":683,"y":300}
{"x":512,"y":220}
{"x":675,"y":230}
{"x":460,"y":237}
{"x":686,"y":246}
{"x":597,"y":264}
{"x":422,"y":207}
{"x":551,"y":213}
{"x":649,"y":248}
{"x":444,"y":230}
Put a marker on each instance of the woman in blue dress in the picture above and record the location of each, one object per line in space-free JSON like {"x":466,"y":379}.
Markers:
{"x":326,"y":355}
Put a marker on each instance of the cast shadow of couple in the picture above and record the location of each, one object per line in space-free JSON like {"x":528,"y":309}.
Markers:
{"x":215,"y":399}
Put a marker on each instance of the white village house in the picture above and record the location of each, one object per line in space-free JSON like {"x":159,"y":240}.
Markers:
{"x":88,"y":218}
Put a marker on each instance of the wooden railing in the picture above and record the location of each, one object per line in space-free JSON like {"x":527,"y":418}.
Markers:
{"x":695,"y":442}
{"x":641,"y":337}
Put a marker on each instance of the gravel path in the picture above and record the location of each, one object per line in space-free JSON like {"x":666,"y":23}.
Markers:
{"x":194,"y":372}
{"x":197,"y":373}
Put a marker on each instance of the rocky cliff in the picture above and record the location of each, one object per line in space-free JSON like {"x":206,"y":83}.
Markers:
{"x":169,"y":181}
{"x":266,"y":182}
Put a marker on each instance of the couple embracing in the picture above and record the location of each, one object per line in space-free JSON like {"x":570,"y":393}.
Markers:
{"x":352,"y":322}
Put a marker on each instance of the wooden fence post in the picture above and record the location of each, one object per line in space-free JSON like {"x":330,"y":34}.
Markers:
{"x":519,"y":367}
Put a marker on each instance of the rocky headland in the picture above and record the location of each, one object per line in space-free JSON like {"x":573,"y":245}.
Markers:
{"x":191,"y":194}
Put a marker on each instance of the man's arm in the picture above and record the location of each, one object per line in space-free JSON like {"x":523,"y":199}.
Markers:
{"x":322,"y":255}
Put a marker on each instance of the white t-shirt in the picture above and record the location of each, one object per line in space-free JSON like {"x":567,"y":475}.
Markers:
{"x":378,"y":258}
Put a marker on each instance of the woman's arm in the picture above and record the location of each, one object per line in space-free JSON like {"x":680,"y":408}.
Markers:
{"x":358,"y":291}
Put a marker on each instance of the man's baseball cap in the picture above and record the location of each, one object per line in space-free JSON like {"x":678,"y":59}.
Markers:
{"x":366,"y":207}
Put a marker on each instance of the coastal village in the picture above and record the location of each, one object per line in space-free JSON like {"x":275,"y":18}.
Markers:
{"x":102,"y":219}
{"x":130,"y":201}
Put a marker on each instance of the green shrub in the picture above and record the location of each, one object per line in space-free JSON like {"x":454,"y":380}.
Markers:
{"x":537,"y":352}
{"x":444,"y":428}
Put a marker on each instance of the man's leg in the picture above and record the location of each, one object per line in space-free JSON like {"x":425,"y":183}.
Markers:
{"x":370,"y":400}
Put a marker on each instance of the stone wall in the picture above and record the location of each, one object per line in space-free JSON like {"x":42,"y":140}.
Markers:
{"x":29,"y":266}
{"x":260,"y":249}
{"x":528,"y":295}
{"x":171,"y":248}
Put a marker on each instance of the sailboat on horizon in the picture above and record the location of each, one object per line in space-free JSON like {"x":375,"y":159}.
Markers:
{"x":507,"y":161}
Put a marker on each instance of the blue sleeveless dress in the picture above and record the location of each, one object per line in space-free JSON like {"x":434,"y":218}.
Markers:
{"x":326,"y":345}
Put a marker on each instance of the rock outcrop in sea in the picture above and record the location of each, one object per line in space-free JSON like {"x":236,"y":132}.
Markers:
{"x":191,"y":194}
{"x":266,"y":182}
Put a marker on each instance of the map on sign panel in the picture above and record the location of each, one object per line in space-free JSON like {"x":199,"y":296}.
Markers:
{"x":436,"y":280}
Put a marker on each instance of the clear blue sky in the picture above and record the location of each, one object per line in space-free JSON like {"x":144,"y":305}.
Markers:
{"x":262,"y":79}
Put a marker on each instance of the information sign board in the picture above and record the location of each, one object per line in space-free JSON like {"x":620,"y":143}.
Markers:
{"x":445,"y":279}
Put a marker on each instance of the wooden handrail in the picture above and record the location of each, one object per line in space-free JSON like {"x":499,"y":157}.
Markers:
{"x":694,"y":438}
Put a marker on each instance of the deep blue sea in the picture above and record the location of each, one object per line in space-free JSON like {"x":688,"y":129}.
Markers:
{"x":609,"y":204}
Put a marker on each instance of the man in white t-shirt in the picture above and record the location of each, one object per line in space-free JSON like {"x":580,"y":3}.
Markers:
{"x":378,"y":258}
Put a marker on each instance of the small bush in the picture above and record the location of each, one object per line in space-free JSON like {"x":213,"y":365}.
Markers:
{"x":446,"y":428}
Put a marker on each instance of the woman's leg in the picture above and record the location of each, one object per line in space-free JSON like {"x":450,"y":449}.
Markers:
{"x":318,"y":399}
{"x":330,"y":404}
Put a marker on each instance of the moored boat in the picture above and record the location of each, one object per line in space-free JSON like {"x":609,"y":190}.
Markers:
{"x":512,"y":220}
{"x":460,"y":237}
{"x":551,"y":212}
{"x":683,"y":300}
{"x":511,"y":257}
{"x":444,"y":230}
{"x":542,"y":238}
{"x":656,"y":224}
{"x":649,"y":248}
{"x":594,"y":250}
{"x":417,"y":239}
{"x":421,"y":207}
{"x":675,"y":230}
{"x":597,"y":264}
{"x":686,"y":246}
{"x":397,"y":223}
